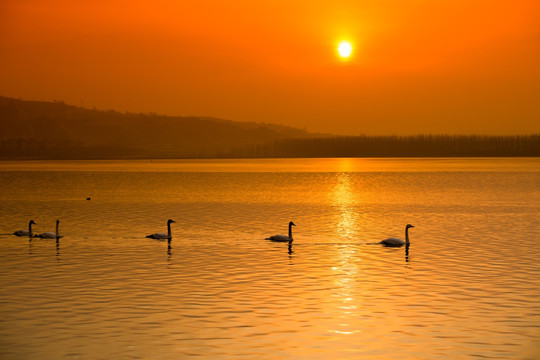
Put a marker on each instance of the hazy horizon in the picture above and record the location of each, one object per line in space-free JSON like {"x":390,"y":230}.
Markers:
{"x":416,"y":67}
{"x":55,"y":130}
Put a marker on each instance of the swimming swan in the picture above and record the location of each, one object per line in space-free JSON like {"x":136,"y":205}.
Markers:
{"x":162,"y":235}
{"x":398,"y":242}
{"x":25,"y":232}
{"x":50,"y":235}
{"x":283,"y":238}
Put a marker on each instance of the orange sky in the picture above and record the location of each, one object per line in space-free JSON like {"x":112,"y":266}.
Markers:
{"x":419,"y":66}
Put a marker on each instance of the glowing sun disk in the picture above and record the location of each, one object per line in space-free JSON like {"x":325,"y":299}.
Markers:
{"x":345,"y":49}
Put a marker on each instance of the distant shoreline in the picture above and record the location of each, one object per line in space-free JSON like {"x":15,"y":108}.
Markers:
{"x":258,"y":158}
{"x":31,"y":130}
{"x":429,"y":146}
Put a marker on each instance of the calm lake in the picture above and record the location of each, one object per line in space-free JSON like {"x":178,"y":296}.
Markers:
{"x":468,"y":287}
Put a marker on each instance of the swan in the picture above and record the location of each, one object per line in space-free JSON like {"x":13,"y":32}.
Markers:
{"x":25,"y":232}
{"x":50,"y":235}
{"x":398,"y":242}
{"x":162,"y":235}
{"x":283,"y":238}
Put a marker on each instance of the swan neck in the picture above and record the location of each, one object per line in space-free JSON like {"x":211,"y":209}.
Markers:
{"x":169,"y":230}
{"x":57,"y":233}
{"x":407,"y":236}
{"x":30,"y":229}
{"x":290,"y":231}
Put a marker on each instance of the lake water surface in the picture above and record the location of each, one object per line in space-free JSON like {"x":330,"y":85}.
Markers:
{"x":468,"y":287}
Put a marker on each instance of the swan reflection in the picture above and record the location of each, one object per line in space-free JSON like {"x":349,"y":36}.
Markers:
{"x":30,"y":245}
{"x":407,"y":252}
{"x":290,"y":252}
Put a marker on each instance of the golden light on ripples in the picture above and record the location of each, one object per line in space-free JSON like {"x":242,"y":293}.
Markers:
{"x":343,"y":199}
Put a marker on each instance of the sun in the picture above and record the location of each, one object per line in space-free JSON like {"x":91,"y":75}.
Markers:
{"x":345,"y":49}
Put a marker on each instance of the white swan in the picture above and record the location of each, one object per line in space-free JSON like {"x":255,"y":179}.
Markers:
{"x":283,"y":238}
{"x":162,"y":235}
{"x":50,"y":235}
{"x":25,"y":232}
{"x":398,"y":242}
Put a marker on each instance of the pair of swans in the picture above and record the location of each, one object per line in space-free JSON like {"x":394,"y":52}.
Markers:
{"x":45,"y":235}
{"x":168,"y":236}
{"x":391,"y":242}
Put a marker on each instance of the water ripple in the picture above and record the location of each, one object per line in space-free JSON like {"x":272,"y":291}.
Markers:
{"x":466,"y":287}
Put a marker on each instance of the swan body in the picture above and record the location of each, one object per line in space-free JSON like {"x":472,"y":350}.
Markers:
{"x":395,"y":242}
{"x":161,"y":236}
{"x":50,"y":235}
{"x":158,"y":236}
{"x":279,"y":238}
{"x":25,"y":232}
{"x":283,"y":238}
{"x":46,"y":235}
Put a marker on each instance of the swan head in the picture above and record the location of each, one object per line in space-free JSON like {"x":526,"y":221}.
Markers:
{"x":292,"y":224}
{"x":58,"y":221}
{"x":32,"y":222}
{"x":170,"y":221}
{"x":408,"y":226}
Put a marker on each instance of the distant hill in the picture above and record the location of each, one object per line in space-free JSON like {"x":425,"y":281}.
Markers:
{"x":39,"y":130}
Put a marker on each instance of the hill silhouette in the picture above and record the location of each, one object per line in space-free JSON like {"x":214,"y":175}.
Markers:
{"x":39,"y":130}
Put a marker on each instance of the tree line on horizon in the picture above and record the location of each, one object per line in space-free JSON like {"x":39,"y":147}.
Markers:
{"x":397,"y":146}
{"x":352,"y":146}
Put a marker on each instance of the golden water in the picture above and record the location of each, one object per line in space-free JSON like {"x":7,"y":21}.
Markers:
{"x":467,"y":288}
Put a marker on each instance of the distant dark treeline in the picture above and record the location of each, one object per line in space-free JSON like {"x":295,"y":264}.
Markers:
{"x":361,"y":146}
{"x":396,"y":146}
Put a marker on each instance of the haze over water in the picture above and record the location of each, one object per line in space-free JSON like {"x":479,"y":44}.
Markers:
{"x":467,"y":288}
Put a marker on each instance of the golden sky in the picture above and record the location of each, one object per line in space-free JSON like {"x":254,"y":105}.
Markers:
{"x":418,"y":66}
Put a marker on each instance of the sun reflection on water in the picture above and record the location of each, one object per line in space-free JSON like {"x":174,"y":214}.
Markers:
{"x":344,"y":201}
